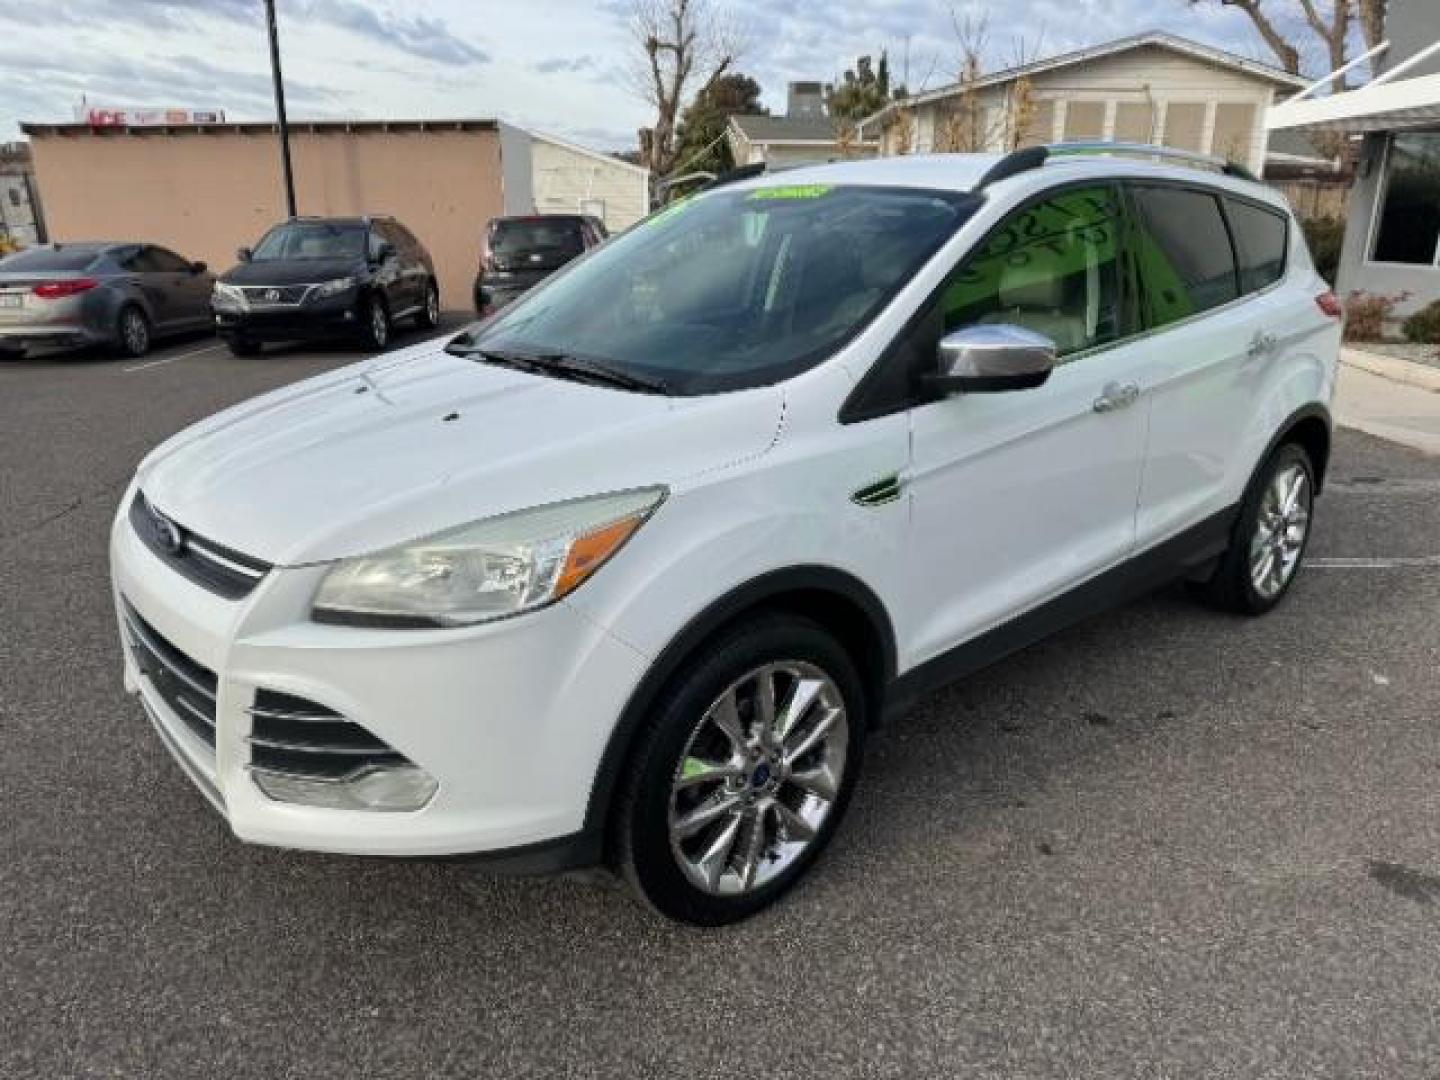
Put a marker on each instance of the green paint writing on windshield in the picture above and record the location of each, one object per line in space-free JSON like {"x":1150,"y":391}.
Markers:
{"x":790,"y":191}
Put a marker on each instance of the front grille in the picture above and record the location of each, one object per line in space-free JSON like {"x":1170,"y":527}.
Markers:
{"x":222,"y":571}
{"x":186,"y":686}
{"x":291,"y":736}
{"x":274,"y":295}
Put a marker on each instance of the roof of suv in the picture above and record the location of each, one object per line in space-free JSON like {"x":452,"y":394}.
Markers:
{"x":965,"y":172}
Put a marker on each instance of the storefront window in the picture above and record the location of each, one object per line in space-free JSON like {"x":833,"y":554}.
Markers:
{"x":1409,"y":226}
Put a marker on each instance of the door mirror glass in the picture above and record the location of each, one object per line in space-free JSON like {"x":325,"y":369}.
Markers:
{"x":244,"y":254}
{"x":992,"y":358}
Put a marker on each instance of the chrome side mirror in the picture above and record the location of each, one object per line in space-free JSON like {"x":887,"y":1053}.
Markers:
{"x":988,"y":359}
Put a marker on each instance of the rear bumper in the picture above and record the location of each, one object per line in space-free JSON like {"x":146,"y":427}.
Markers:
{"x":493,"y":292}
{"x":42,"y":334}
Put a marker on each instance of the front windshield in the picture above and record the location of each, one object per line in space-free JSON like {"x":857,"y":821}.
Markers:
{"x":311,"y":240}
{"x":733,"y":288}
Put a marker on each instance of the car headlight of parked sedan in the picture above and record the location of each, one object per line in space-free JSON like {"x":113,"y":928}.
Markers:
{"x":334,"y":288}
{"x":487,"y":570}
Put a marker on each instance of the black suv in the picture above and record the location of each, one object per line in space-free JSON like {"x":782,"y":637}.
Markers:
{"x":520,"y":252}
{"x":312,"y":278}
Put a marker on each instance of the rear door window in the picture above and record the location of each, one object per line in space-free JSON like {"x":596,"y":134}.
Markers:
{"x":1261,"y":239}
{"x":1183,"y":253}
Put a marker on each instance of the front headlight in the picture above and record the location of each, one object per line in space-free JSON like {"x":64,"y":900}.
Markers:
{"x":226,"y":296}
{"x":334,"y":288}
{"x":487,"y":570}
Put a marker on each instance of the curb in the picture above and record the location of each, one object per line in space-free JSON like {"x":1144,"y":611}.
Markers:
{"x":1420,"y":376}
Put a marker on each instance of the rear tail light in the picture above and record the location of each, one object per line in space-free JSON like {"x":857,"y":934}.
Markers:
{"x":1329,"y":303}
{"x":58,"y":290}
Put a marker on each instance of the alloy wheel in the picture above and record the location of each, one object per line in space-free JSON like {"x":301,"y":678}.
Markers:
{"x":135,"y":332}
{"x":379,"y":324}
{"x":759,"y":776}
{"x":1280,"y":531}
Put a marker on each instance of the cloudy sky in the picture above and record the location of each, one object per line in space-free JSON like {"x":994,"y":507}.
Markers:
{"x":554,"y":65}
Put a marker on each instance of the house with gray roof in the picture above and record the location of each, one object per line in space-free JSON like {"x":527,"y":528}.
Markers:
{"x":806,"y":133}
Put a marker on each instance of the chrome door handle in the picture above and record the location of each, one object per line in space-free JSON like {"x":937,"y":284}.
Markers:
{"x":1117,"y":396}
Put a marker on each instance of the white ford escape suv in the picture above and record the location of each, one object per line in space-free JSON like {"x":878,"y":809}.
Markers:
{"x":629,"y":573}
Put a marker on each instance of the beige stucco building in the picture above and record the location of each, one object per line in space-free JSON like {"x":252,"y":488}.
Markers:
{"x":205,"y":190}
{"x":1150,"y":88}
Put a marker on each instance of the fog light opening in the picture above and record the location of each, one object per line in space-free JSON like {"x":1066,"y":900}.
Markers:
{"x":377,"y":788}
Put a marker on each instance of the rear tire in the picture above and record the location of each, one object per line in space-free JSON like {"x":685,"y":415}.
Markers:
{"x":1267,"y":546}
{"x":240,"y":347}
{"x":375,"y":328}
{"x":777,"y":792}
{"x":7,"y":355}
{"x":429,"y":316}
{"x":132,"y":332}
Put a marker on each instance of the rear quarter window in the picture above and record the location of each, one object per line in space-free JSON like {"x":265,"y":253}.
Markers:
{"x":1182,"y":252}
{"x":1261,"y":240}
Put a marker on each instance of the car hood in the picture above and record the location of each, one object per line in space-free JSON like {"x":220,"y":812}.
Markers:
{"x":291,"y":271}
{"x":420,"y":441}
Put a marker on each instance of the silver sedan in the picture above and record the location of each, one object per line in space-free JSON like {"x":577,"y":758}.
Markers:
{"x":122,"y":296}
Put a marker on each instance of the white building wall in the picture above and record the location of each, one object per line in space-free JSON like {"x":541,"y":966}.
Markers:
{"x":516,"y":170}
{"x":569,"y":179}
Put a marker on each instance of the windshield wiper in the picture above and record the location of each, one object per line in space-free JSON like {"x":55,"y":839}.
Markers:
{"x":561,"y":365}
{"x":576,"y":367}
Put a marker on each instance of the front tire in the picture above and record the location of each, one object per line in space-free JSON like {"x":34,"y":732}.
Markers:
{"x":132,"y":332}
{"x":743,"y":771}
{"x":241,"y":347}
{"x":375,"y":326}
{"x":429,"y":316}
{"x":1270,"y":537}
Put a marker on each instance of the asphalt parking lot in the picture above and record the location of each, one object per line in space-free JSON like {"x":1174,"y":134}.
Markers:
{"x":1167,"y":843}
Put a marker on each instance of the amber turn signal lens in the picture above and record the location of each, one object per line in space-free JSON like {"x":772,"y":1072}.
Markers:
{"x":588,"y":553}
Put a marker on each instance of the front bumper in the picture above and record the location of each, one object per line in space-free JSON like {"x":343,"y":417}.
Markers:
{"x":322,"y":319}
{"x":511,"y":718}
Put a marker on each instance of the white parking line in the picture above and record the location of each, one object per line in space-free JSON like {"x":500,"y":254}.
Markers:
{"x":168,"y":359}
{"x":1382,"y":563}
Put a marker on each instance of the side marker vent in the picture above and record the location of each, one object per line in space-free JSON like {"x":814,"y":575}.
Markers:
{"x":879,"y":493}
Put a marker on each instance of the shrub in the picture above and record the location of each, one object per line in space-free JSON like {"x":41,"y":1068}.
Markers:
{"x":1366,"y":314}
{"x":1324,"y":235}
{"x":1423,"y":327}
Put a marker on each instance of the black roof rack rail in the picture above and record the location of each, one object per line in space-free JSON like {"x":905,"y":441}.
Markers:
{"x":1013,"y":164}
{"x":1033,"y":157}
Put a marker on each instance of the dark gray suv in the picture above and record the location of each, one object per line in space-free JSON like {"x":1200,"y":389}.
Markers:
{"x":323,"y":278}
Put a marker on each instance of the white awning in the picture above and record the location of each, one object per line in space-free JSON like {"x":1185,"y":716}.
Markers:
{"x":1392,"y":106}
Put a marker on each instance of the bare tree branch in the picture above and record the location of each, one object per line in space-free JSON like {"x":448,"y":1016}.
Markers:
{"x":1285,"y":52}
{"x":678,"y":42}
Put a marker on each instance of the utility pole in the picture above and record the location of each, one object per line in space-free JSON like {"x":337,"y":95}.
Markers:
{"x":280,"y":107}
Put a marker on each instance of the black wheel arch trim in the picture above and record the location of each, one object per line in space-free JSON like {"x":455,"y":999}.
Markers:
{"x":752,"y":595}
{"x":1283,"y":434}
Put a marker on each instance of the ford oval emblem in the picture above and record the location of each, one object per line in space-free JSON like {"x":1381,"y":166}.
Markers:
{"x":168,"y":533}
{"x":272,"y":295}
